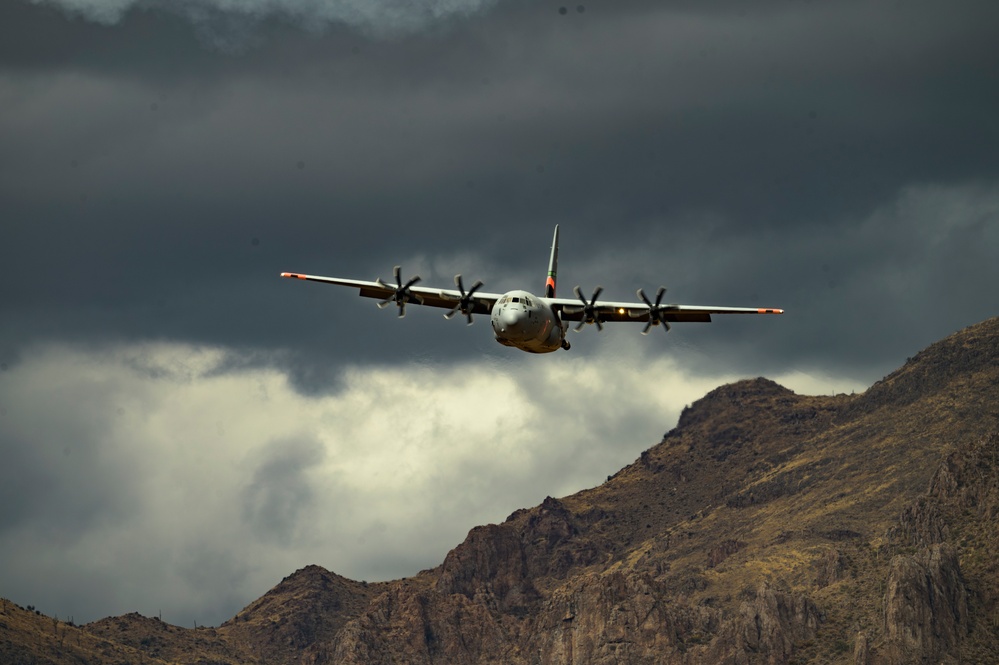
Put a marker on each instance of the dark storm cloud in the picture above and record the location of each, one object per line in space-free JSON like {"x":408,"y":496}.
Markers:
{"x":160,"y":200}
{"x":666,"y":125}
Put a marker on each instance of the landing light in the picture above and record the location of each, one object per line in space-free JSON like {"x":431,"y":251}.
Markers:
{"x":620,"y":310}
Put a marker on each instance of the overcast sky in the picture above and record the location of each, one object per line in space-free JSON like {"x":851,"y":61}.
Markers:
{"x":180,"y":428}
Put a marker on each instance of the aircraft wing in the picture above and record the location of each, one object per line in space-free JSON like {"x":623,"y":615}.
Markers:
{"x":610,"y":311}
{"x":480,"y":303}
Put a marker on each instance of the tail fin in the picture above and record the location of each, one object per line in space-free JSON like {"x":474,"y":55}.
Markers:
{"x":552,"y":267}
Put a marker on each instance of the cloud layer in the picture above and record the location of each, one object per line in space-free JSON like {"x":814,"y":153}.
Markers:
{"x":227,"y":18}
{"x":203,"y":488}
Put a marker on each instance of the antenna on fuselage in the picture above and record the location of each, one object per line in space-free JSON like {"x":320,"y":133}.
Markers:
{"x":552,"y":267}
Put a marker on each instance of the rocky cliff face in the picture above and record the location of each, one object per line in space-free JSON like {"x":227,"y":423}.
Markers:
{"x":768,"y":527}
{"x":926,"y":606}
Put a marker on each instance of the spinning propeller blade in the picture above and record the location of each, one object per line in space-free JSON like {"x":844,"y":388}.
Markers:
{"x":588,"y":309}
{"x":466,"y":303}
{"x":402,"y":293}
{"x":655,"y":311}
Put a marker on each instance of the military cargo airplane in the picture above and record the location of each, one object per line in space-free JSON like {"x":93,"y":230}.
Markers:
{"x":536,"y":324}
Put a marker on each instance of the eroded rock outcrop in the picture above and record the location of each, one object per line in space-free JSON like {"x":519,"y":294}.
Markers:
{"x":616,"y":618}
{"x":773,"y":622}
{"x":406,"y":625}
{"x":926,"y":606}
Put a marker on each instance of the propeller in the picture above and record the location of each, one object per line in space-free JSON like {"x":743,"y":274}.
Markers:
{"x":588,"y":309}
{"x":466,"y":303}
{"x":655,"y":310}
{"x":402,"y":293}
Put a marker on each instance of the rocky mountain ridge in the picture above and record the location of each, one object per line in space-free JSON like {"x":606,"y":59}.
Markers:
{"x":767,"y":527}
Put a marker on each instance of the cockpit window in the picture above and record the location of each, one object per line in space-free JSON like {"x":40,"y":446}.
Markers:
{"x":515,"y":299}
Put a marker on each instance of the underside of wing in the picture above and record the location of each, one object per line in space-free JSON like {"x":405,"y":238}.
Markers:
{"x":610,"y":311}
{"x":478,"y":303}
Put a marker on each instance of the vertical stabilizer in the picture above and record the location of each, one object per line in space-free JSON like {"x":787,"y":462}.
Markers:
{"x":552,"y":267}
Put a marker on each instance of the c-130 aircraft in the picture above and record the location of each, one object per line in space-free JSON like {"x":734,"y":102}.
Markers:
{"x":536,"y":324}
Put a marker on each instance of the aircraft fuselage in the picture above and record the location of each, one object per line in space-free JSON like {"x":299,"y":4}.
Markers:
{"x":527,"y":322}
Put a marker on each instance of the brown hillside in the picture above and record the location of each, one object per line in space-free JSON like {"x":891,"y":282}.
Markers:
{"x":767,"y":527}
{"x":298,"y":616}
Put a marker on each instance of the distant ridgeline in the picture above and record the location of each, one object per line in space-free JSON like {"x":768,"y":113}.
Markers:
{"x":768,"y":527}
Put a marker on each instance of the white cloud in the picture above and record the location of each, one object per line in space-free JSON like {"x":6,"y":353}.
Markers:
{"x":378,"y":16}
{"x":99,"y":11}
{"x":159,"y":483}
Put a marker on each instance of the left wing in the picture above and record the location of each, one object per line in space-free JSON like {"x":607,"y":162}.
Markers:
{"x":467,"y":302}
{"x":572,"y":310}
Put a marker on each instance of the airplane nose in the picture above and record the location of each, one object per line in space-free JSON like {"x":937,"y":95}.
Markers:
{"x":509,"y":319}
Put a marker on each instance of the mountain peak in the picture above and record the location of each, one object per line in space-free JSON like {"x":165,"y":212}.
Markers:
{"x":737,"y":399}
{"x":967,"y":352}
{"x":311,"y":605}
